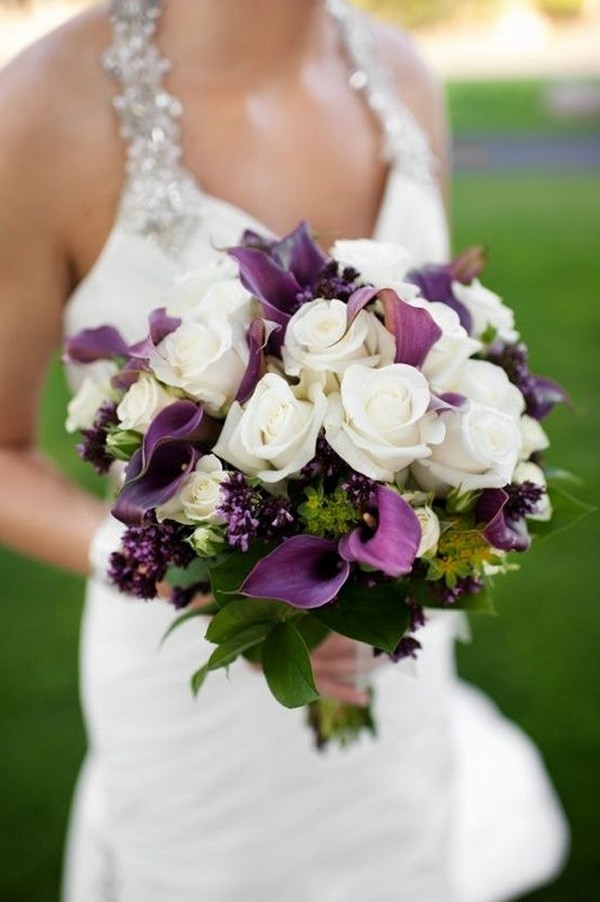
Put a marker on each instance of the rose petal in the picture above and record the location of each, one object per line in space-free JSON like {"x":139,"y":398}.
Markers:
{"x":304,"y":571}
{"x":394,"y":545}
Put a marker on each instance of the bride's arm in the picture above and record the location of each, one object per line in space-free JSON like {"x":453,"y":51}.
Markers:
{"x":42,"y":513}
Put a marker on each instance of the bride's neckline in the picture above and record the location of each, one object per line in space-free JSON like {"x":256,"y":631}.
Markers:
{"x":162,"y":198}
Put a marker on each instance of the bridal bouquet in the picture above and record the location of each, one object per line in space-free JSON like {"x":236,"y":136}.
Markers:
{"x":325,"y":443}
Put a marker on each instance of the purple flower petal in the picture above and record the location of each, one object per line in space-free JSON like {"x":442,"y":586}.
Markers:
{"x":359,"y":299}
{"x":448,"y":401}
{"x":306,"y":257}
{"x":304,"y":571}
{"x":162,"y":476}
{"x":257,"y":340}
{"x":414,"y":329}
{"x":502,"y":533}
{"x":169,"y":453}
{"x":543,"y":395}
{"x":435,"y":283}
{"x":130,"y":373}
{"x":469,"y":265}
{"x":268,"y":281}
{"x":162,"y":325}
{"x":101,"y":343}
{"x":393,"y":546}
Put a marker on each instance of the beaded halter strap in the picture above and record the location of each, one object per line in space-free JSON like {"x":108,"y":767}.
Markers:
{"x":162,"y":200}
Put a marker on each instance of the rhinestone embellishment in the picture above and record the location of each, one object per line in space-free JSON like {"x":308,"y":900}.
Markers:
{"x":161,"y":199}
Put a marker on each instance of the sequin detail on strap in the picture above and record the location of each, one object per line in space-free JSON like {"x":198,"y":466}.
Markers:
{"x":161,"y":200}
{"x":405,"y":143}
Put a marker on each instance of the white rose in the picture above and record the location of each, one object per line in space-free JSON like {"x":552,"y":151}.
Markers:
{"x":452,"y":348}
{"x":92,"y":393}
{"x":275,"y":433}
{"x":379,"y":422}
{"x":486,"y":383}
{"x":487,"y":309}
{"x":206,"y":359}
{"x":529,"y":472}
{"x":430,"y":531}
{"x":198,"y":499}
{"x":480,"y":450}
{"x":142,"y":401}
{"x":533,"y":436}
{"x":318,"y":338}
{"x":212,"y":284}
{"x":378,"y":262}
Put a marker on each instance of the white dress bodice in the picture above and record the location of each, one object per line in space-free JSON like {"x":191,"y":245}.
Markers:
{"x":222,"y":798}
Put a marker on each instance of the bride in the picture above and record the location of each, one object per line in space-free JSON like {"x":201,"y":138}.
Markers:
{"x":243,"y":113}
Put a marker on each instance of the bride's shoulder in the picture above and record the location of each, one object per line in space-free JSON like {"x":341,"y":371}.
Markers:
{"x":420,"y":89}
{"x":50,"y":95}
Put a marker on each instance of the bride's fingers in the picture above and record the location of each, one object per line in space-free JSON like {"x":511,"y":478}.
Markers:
{"x":343,"y":692}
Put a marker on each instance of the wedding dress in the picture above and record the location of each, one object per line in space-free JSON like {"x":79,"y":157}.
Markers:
{"x":222,"y":798}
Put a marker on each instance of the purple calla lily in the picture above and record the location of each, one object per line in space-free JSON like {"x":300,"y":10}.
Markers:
{"x":435,"y":281}
{"x":130,"y":373}
{"x":358,"y":300}
{"x":101,"y":343}
{"x":278,"y":272}
{"x":257,"y":338}
{"x":161,"y":324}
{"x":168,"y":455}
{"x":543,"y":395}
{"x":414,"y":329}
{"x":393,"y":546}
{"x":501,"y":531}
{"x":304,"y":571}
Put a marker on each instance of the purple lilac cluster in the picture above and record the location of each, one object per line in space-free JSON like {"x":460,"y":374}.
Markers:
{"x":181,"y":596}
{"x":326,"y":463}
{"x":250,"y":514}
{"x":333,"y":282}
{"x":146,"y":553}
{"x":360,"y":490}
{"x":93,"y":447}
{"x":540,"y":394}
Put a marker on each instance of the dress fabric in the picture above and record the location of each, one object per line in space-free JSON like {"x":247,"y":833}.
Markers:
{"x":223,"y":798}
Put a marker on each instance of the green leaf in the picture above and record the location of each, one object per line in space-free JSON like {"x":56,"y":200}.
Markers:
{"x":311,"y":630}
{"x":226,"y":654}
{"x":228,"y":576}
{"x":377,"y":616}
{"x":287,"y":667}
{"x":242,"y":613}
{"x":566,"y":510}
{"x":198,"y":571}
{"x":198,"y":679}
{"x":188,"y":615}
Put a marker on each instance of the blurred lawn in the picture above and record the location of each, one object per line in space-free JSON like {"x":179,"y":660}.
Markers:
{"x":538,"y":659}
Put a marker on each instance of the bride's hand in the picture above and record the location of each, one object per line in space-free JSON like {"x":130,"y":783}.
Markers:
{"x":336,"y":662}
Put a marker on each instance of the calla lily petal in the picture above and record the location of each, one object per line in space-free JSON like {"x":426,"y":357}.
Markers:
{"x":306,"y":257}
{"x":101,"y":343}
{"x":263,"y":277}
{"x":507,"y":535}
{"x":304,"y":571}
{"x":543,"y":395}
{"x":435,"y":284}
{"x":168,"y":469}
{"x":358,"y":300}
{"x":394,"y":545}
{"x":413,"y":327}
{"x":256,"y":337}
{"x":162,"y":325}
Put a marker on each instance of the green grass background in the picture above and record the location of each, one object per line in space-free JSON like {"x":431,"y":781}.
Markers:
{"x":538,"y":659}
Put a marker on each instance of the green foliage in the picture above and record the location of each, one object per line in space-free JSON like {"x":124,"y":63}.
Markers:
{"x":377,"y":616}
{"x":287,"y":667}
{"x":329,"y":516}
